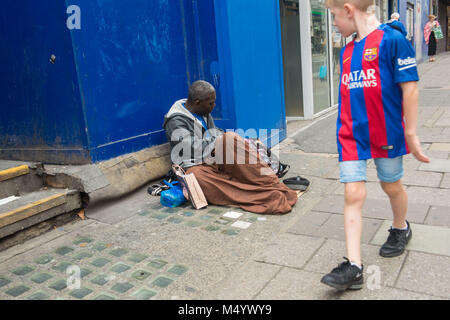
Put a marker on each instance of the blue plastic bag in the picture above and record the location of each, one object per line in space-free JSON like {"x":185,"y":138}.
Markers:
{"x":174,"y":196}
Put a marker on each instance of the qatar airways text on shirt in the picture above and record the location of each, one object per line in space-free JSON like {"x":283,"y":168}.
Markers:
{"x":360,"y":79}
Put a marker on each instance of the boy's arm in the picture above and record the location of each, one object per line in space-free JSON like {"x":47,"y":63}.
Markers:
{"x":411,"y":107}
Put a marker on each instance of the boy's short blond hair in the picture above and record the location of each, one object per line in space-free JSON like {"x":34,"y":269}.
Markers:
{"x":362,"y":5}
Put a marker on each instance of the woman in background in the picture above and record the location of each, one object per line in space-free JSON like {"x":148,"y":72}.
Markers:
{"x":430,"y":37}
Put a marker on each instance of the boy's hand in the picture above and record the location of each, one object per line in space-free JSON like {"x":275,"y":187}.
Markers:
{"x":416,"y":149}
{"x":410,"y":107}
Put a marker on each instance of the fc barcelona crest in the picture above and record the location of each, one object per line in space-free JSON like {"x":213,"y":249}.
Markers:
{"x":370,"y":54}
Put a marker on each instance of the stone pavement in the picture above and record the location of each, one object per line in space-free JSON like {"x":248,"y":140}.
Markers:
{"x":135,"y":249}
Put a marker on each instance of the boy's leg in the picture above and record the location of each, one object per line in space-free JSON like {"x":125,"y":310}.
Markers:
{"x":348,"y":275}
{"x":355,"y":195}
{"x":399,"y":202}
{"x":390,"y":171}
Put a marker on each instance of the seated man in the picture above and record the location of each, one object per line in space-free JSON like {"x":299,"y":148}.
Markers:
{"x":228,"y":170}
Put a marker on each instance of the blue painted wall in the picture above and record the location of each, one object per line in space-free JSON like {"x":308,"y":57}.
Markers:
{"x":116,"y":77}
{"x":39,"y":101}
{"x":250,"y":55}
{"x":132,"y":66}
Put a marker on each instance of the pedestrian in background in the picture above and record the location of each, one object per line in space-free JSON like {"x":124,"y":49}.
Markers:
{"x":395,"y":16}
{"x":430,"y":36}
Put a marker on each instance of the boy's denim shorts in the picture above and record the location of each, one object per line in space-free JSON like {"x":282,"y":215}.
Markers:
{"x":388,"y":170}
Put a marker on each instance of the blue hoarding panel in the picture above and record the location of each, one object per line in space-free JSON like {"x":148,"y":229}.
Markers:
{"x":39,"y":100}
{"x":249,"y":40}
{"x":132,"y":66}
{"x":116,"y":76}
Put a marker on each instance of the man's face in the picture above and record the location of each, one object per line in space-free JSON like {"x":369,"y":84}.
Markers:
{"x":342,"y":19}
{"x":205,"y":107}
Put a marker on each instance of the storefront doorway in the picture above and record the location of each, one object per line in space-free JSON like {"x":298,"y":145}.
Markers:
{"x":311,"y":52}
{"x":292,"y":61}
{"x":320,"y":53}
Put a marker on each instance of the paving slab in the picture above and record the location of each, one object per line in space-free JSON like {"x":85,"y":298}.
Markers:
{"x":331,"y":203}
{"x":446,"y":132}
{"x":425,"y":238}
{"x":249,"y":281}
{"x":422,"y":179}
{"x":437,"y":154}
{"x":440,"y":147}
{"x":291,"y":284}
{"x":333,"y":228}
{"x":446,"y":181}
{"x":309,"y":223}
{"x":427,"y":273}
{"x":425,"y":115}
{"x":444,"y":119}
{"x":318,"y":186}
{"x":431,"y":196}
{"x":423,"y":130}
{"x":290,"y":250}
{"x":373,"y":208}
{"x":309,"y":165}
{"x":113,"y":212}
{"x":438,"y":97}
{"x":436,"y":165}
{"x":381,"y":209}
{"x":433,"y":138}
{"x":331,"y":253}
{"x":318,"y":138}
{"x":438,"y":216}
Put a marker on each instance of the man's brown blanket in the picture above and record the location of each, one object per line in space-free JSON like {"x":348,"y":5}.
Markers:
{"x":251,"y":186}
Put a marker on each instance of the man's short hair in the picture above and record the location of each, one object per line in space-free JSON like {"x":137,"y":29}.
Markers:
{"x":200,"y":90}
{"x":362,"y":5}
{"x":395,"y":15}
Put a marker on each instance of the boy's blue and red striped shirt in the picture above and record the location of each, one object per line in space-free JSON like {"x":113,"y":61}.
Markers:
{"x":370,"y":121}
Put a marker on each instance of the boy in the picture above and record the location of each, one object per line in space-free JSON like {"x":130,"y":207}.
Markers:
{"x":378,"y":88}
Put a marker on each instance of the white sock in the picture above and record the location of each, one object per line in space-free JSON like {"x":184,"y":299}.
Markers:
{"x":404,"y":229}
{"x":355,"y":264}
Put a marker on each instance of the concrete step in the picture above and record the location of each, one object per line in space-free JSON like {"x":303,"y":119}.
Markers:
{"x":19,"y":178}
{"x":25,"y":211}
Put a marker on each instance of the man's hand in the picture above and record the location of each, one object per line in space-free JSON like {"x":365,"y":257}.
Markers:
{"x":416,"y":149}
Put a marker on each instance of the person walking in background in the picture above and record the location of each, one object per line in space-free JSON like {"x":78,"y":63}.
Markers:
{"x":395,"y":16}
{"x":395,"y":23}
{"x":430,"y":37}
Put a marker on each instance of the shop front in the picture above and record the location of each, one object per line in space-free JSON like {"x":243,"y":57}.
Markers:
{"x":312,"y":45}
{"x":311,"y":52}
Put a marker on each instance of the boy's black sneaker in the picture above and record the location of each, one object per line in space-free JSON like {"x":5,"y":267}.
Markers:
{"x":396,"y":242}
{"x":345,"y":276}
